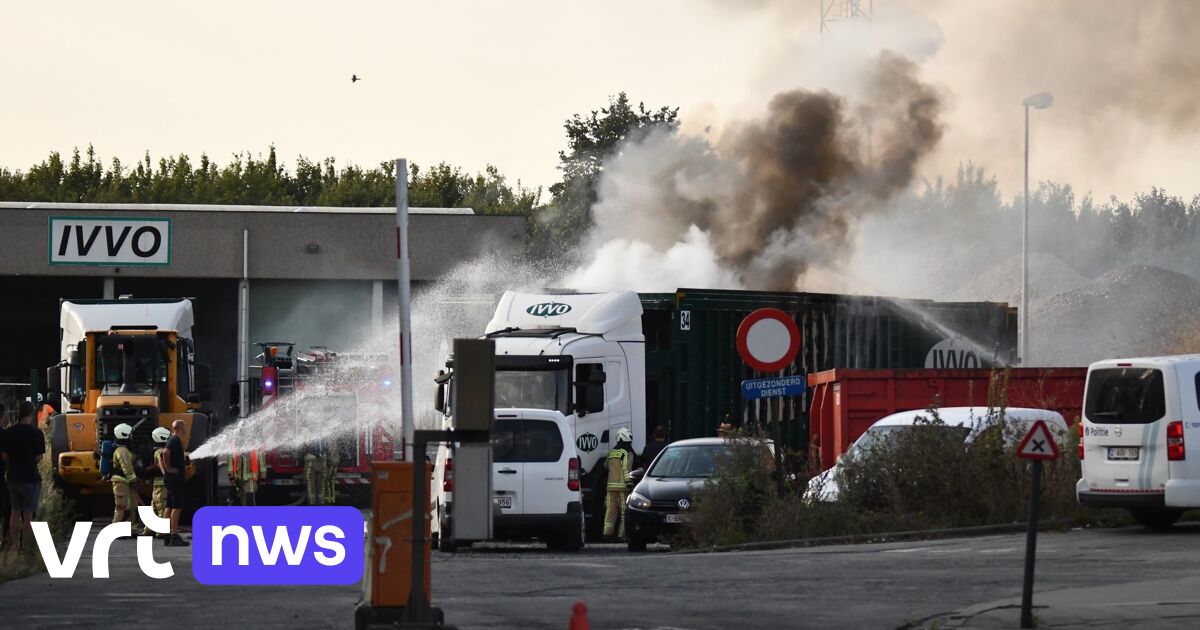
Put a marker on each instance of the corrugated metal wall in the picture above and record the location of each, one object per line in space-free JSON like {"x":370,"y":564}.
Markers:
{"x":694,"y":373}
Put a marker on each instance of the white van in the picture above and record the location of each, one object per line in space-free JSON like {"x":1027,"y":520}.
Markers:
{"x":535,"y":482}
{"x":970,"y":422}
{"x":1138,"y":416}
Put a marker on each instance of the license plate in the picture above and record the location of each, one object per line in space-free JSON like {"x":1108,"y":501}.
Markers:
{"x":286,"y":482}
{"x":674,"y":518}
{"x":504,"y":502}
{"x":1127,"y":453}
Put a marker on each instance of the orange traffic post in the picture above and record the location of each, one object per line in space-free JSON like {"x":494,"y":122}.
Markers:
{"x":387,"y":585}
{"x":579,"y":617}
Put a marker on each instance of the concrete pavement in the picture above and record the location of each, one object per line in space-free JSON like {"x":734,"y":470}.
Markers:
{"x":1151,"y":604}
{"x":1096,"y":577}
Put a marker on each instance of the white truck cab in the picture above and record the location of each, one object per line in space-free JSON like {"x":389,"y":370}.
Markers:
{"x":582,"y":355}
{"x":1139,"y":417}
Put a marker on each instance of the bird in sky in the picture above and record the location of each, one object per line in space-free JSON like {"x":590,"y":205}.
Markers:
{"x":354,"y":78}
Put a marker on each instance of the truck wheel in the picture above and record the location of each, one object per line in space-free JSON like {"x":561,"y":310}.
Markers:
{"x":58,"y":438}
{"x":82,"y":506}
{"x":595,"y":489}
{"x":446,"y":542}
{"x":201,"y":489}
{"x":1156,"y":518}
{"x":572,"y":539}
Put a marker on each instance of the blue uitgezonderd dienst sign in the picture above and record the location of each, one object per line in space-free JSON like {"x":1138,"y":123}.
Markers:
{"x":773,"y":387}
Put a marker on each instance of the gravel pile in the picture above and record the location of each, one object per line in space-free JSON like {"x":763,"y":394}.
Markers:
{"x":1129,"y":312}
{"x":1048,"y":275}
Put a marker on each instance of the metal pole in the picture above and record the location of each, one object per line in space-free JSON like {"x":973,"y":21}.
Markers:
{"x":244,"y":329}
{"x":405,"y":297}
{"x":377,"y":309}
{"x":416,"y":597}
{"x":1023,"y":345}
{"x":1031,"y":546}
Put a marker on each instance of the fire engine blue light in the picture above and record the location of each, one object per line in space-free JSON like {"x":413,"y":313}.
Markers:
{"x":267,"y":384}
{"x":387,"y":382}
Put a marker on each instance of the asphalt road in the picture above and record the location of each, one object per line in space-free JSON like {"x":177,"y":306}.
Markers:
{"x":523,"y":586}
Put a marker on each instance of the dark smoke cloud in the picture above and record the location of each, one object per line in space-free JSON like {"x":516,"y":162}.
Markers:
{"x":783,"y":193}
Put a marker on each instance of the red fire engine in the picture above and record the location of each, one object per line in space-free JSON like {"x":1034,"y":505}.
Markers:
{"x":343,"y":397}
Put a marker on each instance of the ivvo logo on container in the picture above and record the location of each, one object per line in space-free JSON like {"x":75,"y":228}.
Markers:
{"x":277,"y":545}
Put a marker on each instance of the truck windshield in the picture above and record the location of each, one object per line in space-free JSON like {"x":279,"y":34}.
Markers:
{"x":533,"y":389}
{"x":145,"y":354}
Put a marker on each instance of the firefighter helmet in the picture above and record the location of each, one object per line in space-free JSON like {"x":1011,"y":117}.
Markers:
{"x":161,"y":435}
{"x":123,"y":431}
{"x":624,"y":435}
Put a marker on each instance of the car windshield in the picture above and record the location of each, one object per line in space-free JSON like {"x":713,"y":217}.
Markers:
{"x":532,"y":389}
{"x":698,"y":461}
{"x":876,"y":437}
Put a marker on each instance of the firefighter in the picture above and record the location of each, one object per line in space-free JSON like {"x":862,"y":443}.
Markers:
{"x":158,"y":499}
{"x":619,"y":464}
{"x":320,"y":469}
{"x":245,"y":469}
{"x":45,"y":412}
{"x":123,"y":476}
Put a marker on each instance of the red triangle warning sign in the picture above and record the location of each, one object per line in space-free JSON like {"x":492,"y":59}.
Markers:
{"x":1038,"y":443}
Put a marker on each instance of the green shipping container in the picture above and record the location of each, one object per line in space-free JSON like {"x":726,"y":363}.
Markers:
{"x":694,"y":372}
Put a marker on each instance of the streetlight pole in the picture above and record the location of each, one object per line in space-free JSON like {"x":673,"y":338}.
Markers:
{"x":1041,"y":100}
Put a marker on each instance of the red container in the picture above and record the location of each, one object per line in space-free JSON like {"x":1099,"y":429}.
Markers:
{"x":846,"y":402}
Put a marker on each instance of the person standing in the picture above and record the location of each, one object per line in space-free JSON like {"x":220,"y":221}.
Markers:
{"x":619,"y":463}
{"x":245,"y":469}
{"x":173,"y":476}
{"x":319,"y":474}
{"x":123,"y":476}
{"x":45,"y":412}
{"x":654,"y":448}
{"x":158,"y":498}
{"x":24,"y":448}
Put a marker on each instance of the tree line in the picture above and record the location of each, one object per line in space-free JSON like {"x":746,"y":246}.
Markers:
{"x":554,"y":227}
{"x":1152,"y":228}
{"x":1092,"y":236}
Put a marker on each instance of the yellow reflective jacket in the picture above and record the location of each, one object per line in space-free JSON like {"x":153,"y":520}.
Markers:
{"x":618,"y":462}
{"x":123,"y":466}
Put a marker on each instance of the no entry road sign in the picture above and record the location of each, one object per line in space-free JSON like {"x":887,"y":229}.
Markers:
{"x":768,"y":340}
{"x":1038,"y":443}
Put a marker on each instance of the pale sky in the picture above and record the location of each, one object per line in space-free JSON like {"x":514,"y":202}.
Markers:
{"x":478,"y":82}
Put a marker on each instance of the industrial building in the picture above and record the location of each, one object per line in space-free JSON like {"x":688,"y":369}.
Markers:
{"x":313,"y":275}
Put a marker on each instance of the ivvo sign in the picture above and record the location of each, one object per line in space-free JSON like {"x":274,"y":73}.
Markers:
{"x":110,"y":242}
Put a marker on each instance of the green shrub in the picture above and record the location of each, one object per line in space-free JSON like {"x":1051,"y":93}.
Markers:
{"x":55,"y":509}
{"x":729,"y":505}
{"x":927,"y":477}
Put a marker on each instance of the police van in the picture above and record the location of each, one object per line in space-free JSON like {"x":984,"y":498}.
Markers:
{"x":1138,"y":417}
